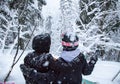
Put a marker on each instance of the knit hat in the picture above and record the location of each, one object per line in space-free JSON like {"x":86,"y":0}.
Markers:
{"x":41,"y":43}
{"x":69,"y":41}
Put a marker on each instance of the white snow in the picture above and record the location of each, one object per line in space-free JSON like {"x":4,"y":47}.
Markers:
{"x":103,"y":73}
{"x":51,"y":8}
{"x":46,"y":64}
{"x":35,"y":5}
{"x":16,"y":76}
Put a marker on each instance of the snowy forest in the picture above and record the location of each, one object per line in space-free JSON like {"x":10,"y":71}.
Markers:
{"x":96,"y":22}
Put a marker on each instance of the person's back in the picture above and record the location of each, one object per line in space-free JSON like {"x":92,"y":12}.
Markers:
{"x":40,"y":67}
{"x":68,"y":69}
{"x":71,"y":54}
{"x":41,"y":45}
{"x":74,"y":75}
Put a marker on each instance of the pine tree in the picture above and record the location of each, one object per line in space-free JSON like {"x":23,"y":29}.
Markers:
{"x":100,"y":22}
{"x":23,"y":14}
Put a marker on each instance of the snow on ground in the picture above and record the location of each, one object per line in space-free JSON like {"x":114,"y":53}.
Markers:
{"x":5,"y":63}
{"x":103,"y":72}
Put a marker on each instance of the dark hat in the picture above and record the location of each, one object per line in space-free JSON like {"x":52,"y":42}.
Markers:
{"x":69,"y":41}
{"x":41,"y":43}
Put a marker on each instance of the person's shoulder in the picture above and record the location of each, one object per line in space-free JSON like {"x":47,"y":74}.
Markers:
{"x":47,"y":56}
{"x":51,"y":57}
{"x":60,"y":59}
{"x":81,"y":55}
{"x":30,"y":54}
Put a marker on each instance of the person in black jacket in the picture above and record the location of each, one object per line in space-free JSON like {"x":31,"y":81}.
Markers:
{"x":67,"y":69}
{"x":71,"y":54}
{"x":36,"y":68}
{"x":41,"y":46}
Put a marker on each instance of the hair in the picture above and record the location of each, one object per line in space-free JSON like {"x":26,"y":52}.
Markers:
{"x":41,"y":43}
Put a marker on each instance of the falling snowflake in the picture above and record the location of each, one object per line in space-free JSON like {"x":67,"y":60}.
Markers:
{"x":46,"y":64}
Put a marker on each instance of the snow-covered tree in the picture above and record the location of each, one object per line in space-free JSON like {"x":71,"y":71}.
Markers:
{"x":8,"y":23}
{"x":69,"y":14}
{"x":23,"y":14}
{"x":48,"y":25}
{"x":99,"y":26}
{"x":65,"y":21}
{"x":18,"y":21}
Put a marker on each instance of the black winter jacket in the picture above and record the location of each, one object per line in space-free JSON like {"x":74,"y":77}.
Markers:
{"x":39,"y":76}
{"x":45,"y":67}
{"x":74,"y":75}
{"x":59,"y":71}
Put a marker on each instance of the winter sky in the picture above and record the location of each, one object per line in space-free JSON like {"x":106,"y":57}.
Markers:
{"x":51,"y":8}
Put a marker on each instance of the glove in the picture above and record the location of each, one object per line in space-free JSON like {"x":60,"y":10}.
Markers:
{"x":26,"y":71}
{"x":93,"y":60}
{"x":94,"y":57}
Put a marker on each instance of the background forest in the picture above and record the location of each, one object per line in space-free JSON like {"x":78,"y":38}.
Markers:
{"x":97,"y":23}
